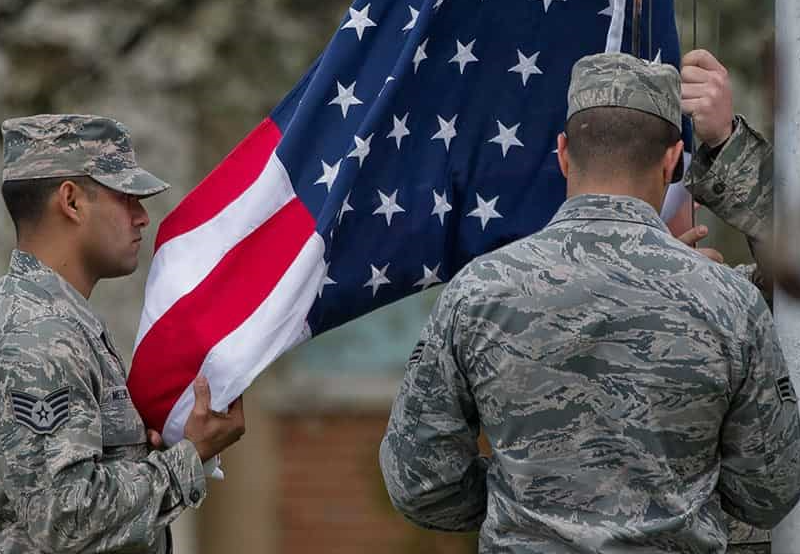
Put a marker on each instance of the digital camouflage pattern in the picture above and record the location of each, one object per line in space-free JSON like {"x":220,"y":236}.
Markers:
{"x":68,"y":145}
{"x":630,"y":389}
{"x":622,"y":80}
{"x":737,"y":187}
{"x":86,"y":484}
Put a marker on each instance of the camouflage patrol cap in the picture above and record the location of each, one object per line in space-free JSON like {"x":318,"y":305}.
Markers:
{"x":624,"y":81}
{"x":67,"y":145}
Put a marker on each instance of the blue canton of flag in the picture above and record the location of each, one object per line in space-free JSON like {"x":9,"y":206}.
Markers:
{"x":425,"y":134}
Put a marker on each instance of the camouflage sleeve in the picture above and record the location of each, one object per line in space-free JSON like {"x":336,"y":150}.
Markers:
{"x":760,"y":474}
{"x":736,"y":186}
{"x":71,"y":496}
{"x":429,"y":455}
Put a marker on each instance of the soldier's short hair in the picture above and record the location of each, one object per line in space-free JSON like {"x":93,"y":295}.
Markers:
{"x":25,"y":199}
{"x":612,"y":137}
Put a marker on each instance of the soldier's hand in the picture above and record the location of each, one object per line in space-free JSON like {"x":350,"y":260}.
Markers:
{"x":210,"y":431}
{"x":155,"y":441}
{"x":707,"y":96}
{"x":693,"y":236}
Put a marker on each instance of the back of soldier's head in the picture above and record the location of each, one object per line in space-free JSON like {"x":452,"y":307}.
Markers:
{"x":26,"y":199}
{"x":623,"y":114}
{"x":608,"y":139}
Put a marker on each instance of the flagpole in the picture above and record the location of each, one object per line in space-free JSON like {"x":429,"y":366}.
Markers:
{"x":786,"y":537}
{"x":636,"y":34}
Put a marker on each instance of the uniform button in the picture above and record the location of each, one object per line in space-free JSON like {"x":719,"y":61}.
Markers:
{"x":194,"y":496}
{"x":719,"y":188}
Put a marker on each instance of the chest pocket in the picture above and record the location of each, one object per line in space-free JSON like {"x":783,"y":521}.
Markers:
{"x":122,"y":425}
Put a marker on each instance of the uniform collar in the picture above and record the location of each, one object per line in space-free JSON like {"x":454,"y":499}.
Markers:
{"x":594,"y":207}
{"x":66,"y":299}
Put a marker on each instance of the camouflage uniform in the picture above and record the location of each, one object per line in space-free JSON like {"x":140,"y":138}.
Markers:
{"x":630,"y":390}
{"x":736,"y":184}
{"x":75,"y":472}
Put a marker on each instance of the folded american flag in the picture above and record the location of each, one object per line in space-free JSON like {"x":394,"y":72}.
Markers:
{"x":422,"y":137}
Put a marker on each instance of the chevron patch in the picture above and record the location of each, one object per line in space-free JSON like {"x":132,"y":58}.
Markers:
{"x":41,"y":415}
{"x":786,"y":389}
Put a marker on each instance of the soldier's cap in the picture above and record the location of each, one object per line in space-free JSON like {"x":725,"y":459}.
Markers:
{"x":69,"y":145}
{"x":625,"y":81}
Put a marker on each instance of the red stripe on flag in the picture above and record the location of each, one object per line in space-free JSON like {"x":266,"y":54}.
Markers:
{"x":237,"y":172}
{"x":174,"y":349}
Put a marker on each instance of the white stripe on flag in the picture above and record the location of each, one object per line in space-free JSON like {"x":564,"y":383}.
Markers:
{"x":616,"y":29}
{"x":277,"y":325}
{"x":182,"y":263}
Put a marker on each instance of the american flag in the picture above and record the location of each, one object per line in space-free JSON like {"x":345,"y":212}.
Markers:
{"x":423,"y":136}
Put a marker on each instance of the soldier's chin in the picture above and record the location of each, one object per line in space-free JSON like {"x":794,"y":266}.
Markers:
{"x":121,"y":270}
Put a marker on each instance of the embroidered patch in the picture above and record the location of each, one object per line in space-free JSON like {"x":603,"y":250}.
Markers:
{"x":120,"y":394}
{"x":41,"y":415}
{"x":416,"y":355}
{"x":786,"y":390}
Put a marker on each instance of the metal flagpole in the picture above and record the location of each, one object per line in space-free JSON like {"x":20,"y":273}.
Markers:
{"x":636,"y":47}
{"x":786,"y":537}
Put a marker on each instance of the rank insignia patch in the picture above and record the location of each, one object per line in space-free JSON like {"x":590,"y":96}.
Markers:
{"x":41,"y":415}
{"x":786,"y":390}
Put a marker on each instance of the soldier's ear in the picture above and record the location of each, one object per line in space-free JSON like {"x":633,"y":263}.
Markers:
{"x":670,"y":161}
{"x":69,"y":200}
{"x":563,"y":154}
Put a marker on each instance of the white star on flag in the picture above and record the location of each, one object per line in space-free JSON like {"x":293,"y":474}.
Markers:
{"x":485,"y":211}
{"x":378,"y":278}
{"x":547,"y":4}
{"x":507,"y":137}
{"x":362,"y":149}
{"x":345,"y":98}
{"x":400,"y":130}
{"x":438,"y":4}
{"x":414,"y":15}
{"x":329,"y":174}
{"x":526,"y":66}
{"x":441,"y":207}
{"x":346,"y":207}
{"x":420,"y":55}
{"x":388,"y":207}
{"x":325,"y":281}
{"x":464,"y":55}
{"x":359,"y":20}
{"x":447,"y":131}
{"x":609,"y":11}
{"x":430,"y":278}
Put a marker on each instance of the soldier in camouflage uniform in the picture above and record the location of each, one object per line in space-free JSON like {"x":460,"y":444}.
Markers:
{"x":631,"y":389}
{"x":76,"y":473}
{"x":731,"y":174}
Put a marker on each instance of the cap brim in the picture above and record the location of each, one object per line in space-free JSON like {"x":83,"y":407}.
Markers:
{"x":136,"y":182}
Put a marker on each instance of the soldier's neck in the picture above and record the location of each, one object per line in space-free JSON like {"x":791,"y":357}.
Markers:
{"x":62,"y":259}
{"x":648,"y":190}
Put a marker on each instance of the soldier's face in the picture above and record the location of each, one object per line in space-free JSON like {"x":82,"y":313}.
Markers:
{"x":114,"y":233}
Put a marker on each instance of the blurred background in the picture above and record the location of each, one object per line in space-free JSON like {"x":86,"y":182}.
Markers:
{"x":191,"y":78}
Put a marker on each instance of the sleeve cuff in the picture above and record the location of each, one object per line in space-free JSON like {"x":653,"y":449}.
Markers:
{"x":737,"y":184}
{"x":186,"y":472}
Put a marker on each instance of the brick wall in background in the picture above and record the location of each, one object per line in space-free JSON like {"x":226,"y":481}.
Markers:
{"x":330,"y":493}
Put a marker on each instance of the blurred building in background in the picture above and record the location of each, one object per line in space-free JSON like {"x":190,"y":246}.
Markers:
{"x":191,"y":78}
